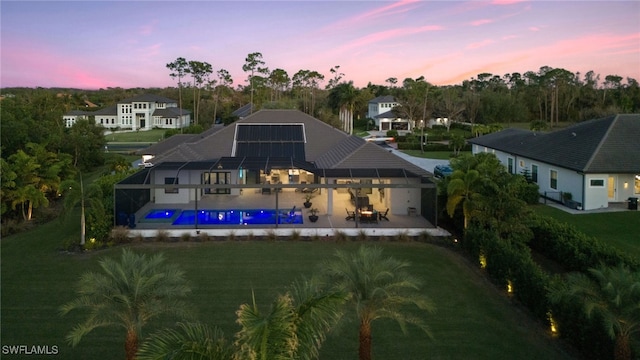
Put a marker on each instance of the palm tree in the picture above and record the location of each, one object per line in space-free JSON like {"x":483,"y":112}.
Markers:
{"x":611,"y":293}
{"x":294,"y":328}
{"x":128,"y":294}
{"x":378,"y":288}
{"x":462,"y":188}
{"x":343,"y":97}
{"x":189,"y":341}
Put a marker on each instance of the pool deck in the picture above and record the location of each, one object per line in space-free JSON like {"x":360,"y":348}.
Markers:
{"x":327,"y":225}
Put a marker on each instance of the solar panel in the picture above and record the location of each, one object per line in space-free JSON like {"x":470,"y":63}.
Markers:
{"x":270,"y":140}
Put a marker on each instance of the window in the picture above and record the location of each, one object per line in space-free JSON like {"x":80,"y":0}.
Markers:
{"x":171,"y":181}
{"x":510,"y":165}
{"x":596,"y":183}
{"x":216,"y":178}
{"x":553,"y":179}
{"x":534,"y":173}
{"x":637,"y":185}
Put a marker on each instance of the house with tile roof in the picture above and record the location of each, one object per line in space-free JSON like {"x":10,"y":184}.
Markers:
{"x":283,"y":152}
{"x":596,"y":161}
{"x":380,"y":109}
{"x":143,"y":112}
{"x":71,"y":117}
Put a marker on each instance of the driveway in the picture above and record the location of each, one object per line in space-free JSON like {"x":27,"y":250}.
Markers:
{"x":427,"y":164}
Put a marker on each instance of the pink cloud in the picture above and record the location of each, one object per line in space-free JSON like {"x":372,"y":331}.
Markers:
{"x":480,"y":44}
{"x":534,"y":28}
{"x":394,"y":8}
{"x":506,"y":2}
{"x":481,"y":22}
{"x":389,"y":34}
{"x":148,"y":29}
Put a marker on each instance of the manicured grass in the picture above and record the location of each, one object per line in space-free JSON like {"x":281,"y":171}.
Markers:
{"x":473,"y":319}
{"x":153,"y":135}
{"x":619,"y":229}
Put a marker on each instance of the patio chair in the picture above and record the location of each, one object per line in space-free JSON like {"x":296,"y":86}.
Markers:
{"x":384,"y":215}
{"x":351,"y":215}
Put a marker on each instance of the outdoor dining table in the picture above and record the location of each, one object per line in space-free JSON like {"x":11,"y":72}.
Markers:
{"x":368,"y":215}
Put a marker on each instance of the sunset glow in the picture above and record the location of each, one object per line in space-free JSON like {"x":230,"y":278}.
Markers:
{"x":99,"y":44}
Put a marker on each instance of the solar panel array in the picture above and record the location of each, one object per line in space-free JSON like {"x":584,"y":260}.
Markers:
{"x":270,"y":140}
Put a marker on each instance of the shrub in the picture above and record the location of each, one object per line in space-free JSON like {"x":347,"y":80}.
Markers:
{"x":272,"y":236}
{"x":340,"y":236}
{"x":185,"y":237}
{"x":295,"y":235}
{"x":403,"y":236}
{"x":120,"y":235}
{"x":362,"y":235}
{"x":204,"y":237}
{"x":162,"y":236}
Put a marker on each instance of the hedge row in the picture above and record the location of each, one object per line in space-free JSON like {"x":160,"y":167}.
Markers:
{"x":508,"y":261}
{"x":572,"y":248}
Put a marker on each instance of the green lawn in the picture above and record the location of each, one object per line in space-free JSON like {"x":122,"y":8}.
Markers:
{"x":149,"y":136}
{"x":473,"y":319}
{"x":619,"y":229}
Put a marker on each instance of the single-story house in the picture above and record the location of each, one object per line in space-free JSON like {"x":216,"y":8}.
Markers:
{"x":276,"y":151}
{"x":596,"y":161}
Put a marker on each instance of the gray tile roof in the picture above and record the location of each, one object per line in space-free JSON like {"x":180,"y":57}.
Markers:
{"x":382,"y":99}
{"x":170,"y":112}
{"x":388,"y":115}
{"x":607,"y":145}
{"x":242,"y":112}
{"x":109,"y":110}
{"x":325,"y":146}
{"x":147,"y":98}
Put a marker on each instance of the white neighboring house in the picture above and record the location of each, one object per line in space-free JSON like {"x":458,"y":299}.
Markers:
{"x":71,"y":117}
{"x":143,"y":112}
{"x":597,"y":161}
{"x":381,"y":111}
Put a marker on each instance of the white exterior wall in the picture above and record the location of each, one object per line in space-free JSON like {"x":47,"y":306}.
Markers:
{"x":579,"y":185}
{"x":108,"y":121}
{"x":404,"y":198}
{"x":182,"y":197}
{"x":69,"y":120}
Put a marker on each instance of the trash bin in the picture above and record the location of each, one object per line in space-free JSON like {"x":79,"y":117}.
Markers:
{"x":633,"y":203}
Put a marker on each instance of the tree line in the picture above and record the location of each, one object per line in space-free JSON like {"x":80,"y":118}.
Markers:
{"x":39,"y":152}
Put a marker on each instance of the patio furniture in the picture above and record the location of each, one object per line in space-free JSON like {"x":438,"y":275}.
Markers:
{"x":368,"y":216}
{"x":351,"y":215}
{"x":384,"y":215}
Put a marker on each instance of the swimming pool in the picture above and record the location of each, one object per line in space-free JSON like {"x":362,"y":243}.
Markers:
{"x":227,"y":217}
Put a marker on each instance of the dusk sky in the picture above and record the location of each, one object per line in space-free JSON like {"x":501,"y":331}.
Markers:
{"x":100,"y":44}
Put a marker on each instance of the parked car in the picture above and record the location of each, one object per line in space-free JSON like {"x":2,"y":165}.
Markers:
{"x":442,"y":171}
{"x":378,"y":138}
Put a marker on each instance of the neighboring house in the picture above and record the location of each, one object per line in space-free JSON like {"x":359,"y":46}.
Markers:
{"x":243,"y":111}
{"x":71,"y":117}
{"x":284,"y":147}
{"x":143,"y":112}
{"x":381,"y":111}
{"x":597,"y":161}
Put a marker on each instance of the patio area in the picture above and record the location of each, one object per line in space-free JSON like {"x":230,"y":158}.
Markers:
{"x":331,"y":219}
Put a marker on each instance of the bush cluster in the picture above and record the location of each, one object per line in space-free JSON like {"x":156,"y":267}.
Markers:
{"x":572,"y":248}
{"x":507,"y":261}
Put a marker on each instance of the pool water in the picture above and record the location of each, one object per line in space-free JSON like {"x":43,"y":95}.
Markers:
{"x":239,"y":217}
{"x":161,"y":214}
